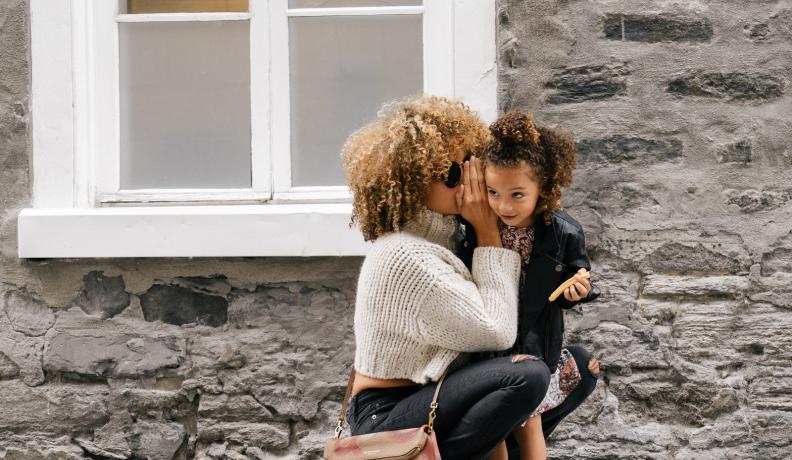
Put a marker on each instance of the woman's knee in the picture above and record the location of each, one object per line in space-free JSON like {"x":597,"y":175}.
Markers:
{"x":530,"y":379}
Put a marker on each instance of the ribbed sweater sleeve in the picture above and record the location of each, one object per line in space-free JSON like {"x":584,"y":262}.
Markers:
{"x":478,"y":314}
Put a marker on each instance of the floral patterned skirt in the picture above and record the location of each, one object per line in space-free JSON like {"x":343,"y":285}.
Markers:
{"x":562,"y":382}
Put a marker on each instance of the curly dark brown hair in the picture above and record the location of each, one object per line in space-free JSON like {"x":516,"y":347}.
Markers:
{"x":550,"y":153}
{"x":391,"y":162}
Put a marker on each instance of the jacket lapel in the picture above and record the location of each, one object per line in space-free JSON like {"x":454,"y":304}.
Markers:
{"x":542,"y":273}
{"x":546,"y":244}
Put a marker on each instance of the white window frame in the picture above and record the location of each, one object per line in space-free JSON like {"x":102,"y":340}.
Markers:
{"x":78,"y":209}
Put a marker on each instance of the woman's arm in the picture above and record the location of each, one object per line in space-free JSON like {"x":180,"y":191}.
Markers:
{"x":463,"y":315}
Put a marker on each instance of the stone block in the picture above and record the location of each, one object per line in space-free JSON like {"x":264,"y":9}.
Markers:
{"x":8,"y":368}
{"x":653,"y":28}
{"x":752,"y":200}
{"x":301,"y":363}
{"x":673,"y":397}
{"x":85,"y":346}
{"x":179,"y":305}
{"x":729,"y":431}
{"x":777,"y":260}
{"x":168,"y":404}
{"x":232,"y":408}
{"x":731,"y":86}
{"x":52,"y":408}
{"x":26,"y":313}
{"x":103,"y":296}
{"x":111,"y":439}
{"x":771,"y":389}
{"x":39,"y":446}
{"x":638,"y":348}
{"x":776,"y":27}
{"x":156,"y":439}
{"x":771,"y":429}
{"x":20,"y":355}
{"x":588,"y":82}
{"x":270,"y":435}
{"x":762,"y":335}
{"x":757,"y":31}
{"x":691,"y":286}
{"x":739,"y":152}
{"x":677,"y":258}
{"x":609,"y":435}
{"x":637,"y":150}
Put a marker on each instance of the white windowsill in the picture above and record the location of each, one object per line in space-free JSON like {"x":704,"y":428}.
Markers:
{"x":298,"y":230}
{"x":72,"y":95}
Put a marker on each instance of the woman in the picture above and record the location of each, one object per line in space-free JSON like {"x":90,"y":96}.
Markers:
{"x":418,"y":306}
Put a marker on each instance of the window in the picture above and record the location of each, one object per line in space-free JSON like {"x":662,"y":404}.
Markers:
{"x":206,"y":121}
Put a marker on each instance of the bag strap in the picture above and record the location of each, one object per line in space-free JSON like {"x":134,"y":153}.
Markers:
{"x":342,"y":414}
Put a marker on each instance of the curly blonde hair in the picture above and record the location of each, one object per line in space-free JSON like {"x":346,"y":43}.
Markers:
{"x":391,"y":162}
{"x":550,"y":153}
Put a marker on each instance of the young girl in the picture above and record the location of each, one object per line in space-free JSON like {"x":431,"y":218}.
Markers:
{"x":525,"y":167}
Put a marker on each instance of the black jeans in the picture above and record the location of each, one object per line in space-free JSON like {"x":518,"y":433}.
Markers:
{"x":553,"y":417}
{"x":479,"y":405}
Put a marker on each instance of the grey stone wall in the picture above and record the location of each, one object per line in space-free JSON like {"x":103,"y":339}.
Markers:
{"x":682,"y":113}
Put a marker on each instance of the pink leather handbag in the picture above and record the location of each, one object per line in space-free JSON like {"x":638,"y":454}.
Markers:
{"x":418,"y":443}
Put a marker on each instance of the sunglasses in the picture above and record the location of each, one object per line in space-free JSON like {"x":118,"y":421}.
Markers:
{"x":455,"y":173}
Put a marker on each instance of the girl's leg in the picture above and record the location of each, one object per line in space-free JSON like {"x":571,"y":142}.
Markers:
{"x":588,"y":382}
{"x":500,"y":452}
{"x":531,"y":440}
{"x":479,"y":405}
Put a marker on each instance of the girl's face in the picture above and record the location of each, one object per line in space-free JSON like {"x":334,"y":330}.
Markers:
{"x":513,"y":193}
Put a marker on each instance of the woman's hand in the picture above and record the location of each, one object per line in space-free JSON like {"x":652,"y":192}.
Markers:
{"x":518,"y":358}
{"x":474,"y":206}
{"x":579,"y":290}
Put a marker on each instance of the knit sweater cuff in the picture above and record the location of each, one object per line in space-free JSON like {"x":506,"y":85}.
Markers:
{"x":490,"y":261}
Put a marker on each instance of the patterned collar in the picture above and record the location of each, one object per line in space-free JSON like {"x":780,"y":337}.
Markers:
{"x":520,"y":239}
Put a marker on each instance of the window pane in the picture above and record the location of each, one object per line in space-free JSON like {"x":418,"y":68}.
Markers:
{"x":182,"y":6}
{"x":342,"y":69}
{"x":340,"y":3}
{"x":185,"y":104}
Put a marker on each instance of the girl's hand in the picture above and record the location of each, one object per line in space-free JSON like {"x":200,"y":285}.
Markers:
{"x":474,"y":206}
{"x":594,"y":367}
{"x":579,"y":290}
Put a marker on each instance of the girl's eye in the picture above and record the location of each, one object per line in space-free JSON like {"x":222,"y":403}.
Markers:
{"x":517,"y":195}
{"x":493,"y":192}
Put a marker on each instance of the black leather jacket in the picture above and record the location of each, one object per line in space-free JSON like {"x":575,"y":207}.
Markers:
{"x":559,"y":251}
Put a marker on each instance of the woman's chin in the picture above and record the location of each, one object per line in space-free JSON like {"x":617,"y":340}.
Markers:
{"x":452,"y":210}
{"x":445,"y":211}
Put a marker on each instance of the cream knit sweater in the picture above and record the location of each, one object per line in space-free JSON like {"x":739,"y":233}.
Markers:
{"x":418,"y":306}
